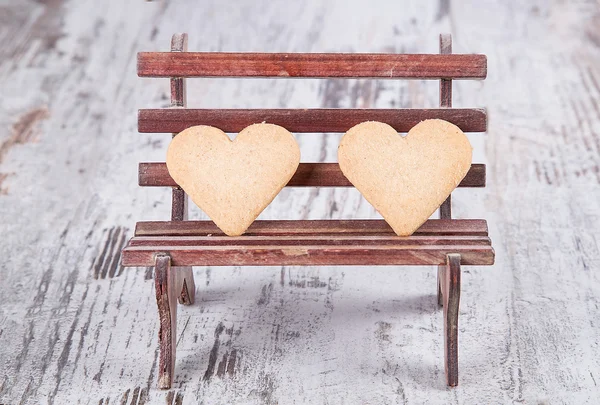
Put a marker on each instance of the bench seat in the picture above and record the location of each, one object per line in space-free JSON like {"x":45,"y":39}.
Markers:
{"x":309,"y":242}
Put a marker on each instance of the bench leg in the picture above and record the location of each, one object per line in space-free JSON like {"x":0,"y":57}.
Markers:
{"x":451,"y":298}
{"x":171,"y":284}
{"x":440,"y":281}
{"x":188,"y":290}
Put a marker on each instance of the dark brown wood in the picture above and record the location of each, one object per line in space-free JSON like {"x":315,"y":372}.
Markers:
{"x":179,"y":199}
{"x":451,"y":297}
{"x":309,"y":240}
{"x":446,"y":208}
{"x":307,"y":175}
{"x":171,"y":284}
{"x":306,"y":120}
{"x":321,"y":255}
{"x":432,"y":227}
{"x":187,"y":294}
{"x":444,"y":242}
{"x":440,"y":280}
{"x":320,"y":65}
{"x":166,"y":299}
{"x":445,"y":83}
{"x":315,"y":250}
{"x":446,"y":102}
{"x":179,"y":43}
{"x":179,"y":204}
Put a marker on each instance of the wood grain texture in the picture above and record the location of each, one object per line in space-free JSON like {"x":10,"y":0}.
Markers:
{"x":75,"y":327}
{"x":322,"y":65}
{"x":179,"y":43}
{"x":307,"y":175}
{"x":187,"y":294}
{"x":309,"y":240}
{"x":432,"y":227}
{"x":446,"y":102}
{"x":451,"y":299}
{"x":308,"y":255}
{"x":179,"y":212}
{"x":179,"y":204}
{"x":166,"y":299}
{"x":305,"y":120}
{"x":440,"y":284}
{"x":179,"y":200}
{"x":171,"y":284}
{"x":308,"y":249}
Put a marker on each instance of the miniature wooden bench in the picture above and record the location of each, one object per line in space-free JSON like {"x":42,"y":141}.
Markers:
{"x":173,"y":246}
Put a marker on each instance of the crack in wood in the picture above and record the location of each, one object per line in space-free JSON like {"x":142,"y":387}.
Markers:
{"x":227,"y":363}
{"x":212,"y":358}
{"x":64,"y":355}
{"x":265,"y":294}
{"x":174,"y":398}
{"x":107,"y":263}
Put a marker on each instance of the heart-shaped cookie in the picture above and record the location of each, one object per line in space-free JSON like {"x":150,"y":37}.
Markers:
{"x":405,"y":178}
{"x":233,"y":181}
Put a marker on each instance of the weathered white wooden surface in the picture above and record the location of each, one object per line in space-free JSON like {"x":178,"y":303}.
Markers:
{"x":75,"y":327}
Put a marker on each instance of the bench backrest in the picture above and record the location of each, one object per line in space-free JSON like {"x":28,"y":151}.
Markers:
{"x":179,"y":64}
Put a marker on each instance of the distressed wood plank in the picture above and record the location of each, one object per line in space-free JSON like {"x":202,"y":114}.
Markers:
{"x":306,"y":120}
{"x":389,"y":66}
{"x":307,"y":175}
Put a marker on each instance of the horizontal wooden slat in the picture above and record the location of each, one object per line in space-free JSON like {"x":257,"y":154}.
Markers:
{"x":307,"y":255}
{"x":432,"y":227}
{"x":318,"y":65}
{"x":303,"y":120}
{"x":305,"y":242}
{"x":309,"y":240}
{"x":307,"y":175}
